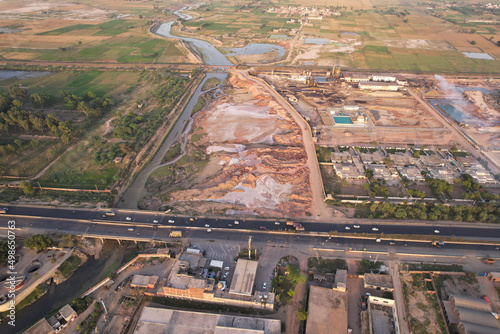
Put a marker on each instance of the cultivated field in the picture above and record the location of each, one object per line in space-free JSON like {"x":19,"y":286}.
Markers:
{"x":103,"y":31}
{"x":364,"y":34}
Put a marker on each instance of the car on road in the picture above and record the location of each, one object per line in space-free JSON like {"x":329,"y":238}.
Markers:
{"x":436,"y":231}
{"x":437,"y":244}
{"x":392,"y":242}
{"x":171,"y":221}
{"x":377,"y":240}
{"x":155,"y":221}
{"x":4,"y":210}
{"x":229,"y":225}
{"x":374,"y":228}
{"x":109,"y":214}
{"x":347,"y":228}
{"x":262,"y":227}
{"x":276,"y":223}
{"x":128,"y":218}
{"x":191,"y":219}
{"x":209,"y":230}
{"x":356,"y":226}
{"x":206,"y":225}
{"x":131,"y":229}
{"x":236,"y":222}
{"x":264,"y":286}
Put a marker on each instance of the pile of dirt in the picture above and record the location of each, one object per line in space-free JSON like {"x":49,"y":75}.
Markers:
{"x":261,"y":156}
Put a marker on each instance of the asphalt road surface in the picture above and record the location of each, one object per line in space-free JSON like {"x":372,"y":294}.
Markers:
{"x":281,"y":239}
{"x":365,"y":227}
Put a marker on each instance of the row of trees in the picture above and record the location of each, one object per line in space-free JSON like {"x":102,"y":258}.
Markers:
{"x":486,"y":212}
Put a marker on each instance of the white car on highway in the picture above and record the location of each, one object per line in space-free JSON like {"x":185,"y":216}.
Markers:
{"x":171,"y":221}
{"x":206,"y":225}
{"x":374,"y":228}
{"x":436,"y":231}
{"x":347,"y":228}
{"x":356,"y":226}
{"x":128,"y":218}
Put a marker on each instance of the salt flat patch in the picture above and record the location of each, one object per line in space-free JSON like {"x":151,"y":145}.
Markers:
{"x":419,"y":44}
{"x":33,"y":7}
{"x":242,"y":122}
{"x":265,"y":194}
{"x":478,"y":55}
{"x":232,"y":148}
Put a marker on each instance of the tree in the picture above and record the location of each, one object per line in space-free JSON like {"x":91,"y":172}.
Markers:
{"x":302,"y":314}
{"x":369,"y":173}
{"x":473,"y":42}
{"x":27,"y":188}
{"x":3,"y":251}
{"x":17,"y":92}
{"x":38,"y":242}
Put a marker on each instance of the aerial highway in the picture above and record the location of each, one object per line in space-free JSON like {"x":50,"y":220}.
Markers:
{"x":280,"y":239}
{"x":137,"y":219}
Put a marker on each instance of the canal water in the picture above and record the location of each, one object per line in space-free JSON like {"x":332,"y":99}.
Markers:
{"x":138,"y":188}
{"x":88,"y":275}
{"x":211,"y":56}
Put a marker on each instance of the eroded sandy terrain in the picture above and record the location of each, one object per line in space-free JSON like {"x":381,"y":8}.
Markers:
{"x":262,"y":162}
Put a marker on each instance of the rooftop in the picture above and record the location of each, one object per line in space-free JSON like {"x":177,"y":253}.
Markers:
{"x":159,"y":321}
{"x":327,"y":311}
{"x":41,"y":327}
{"x":244,"y":277}
{"x":379,"y":280}
{"x":195,"y":260}
{"x":67,"y":311}
{"x":143,"y":281}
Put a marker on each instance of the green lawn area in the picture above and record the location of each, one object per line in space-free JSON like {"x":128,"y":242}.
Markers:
{"x":70,"y":265}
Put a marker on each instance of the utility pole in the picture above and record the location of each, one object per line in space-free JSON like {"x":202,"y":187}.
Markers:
{"x":250,"y":247}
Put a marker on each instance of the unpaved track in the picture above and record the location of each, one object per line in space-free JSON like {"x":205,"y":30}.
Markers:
{"x":319,"y":208}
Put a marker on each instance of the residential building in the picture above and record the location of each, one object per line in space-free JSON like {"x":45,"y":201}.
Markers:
{"x":341,"y":157}
{"x":412,"y":173}
{"x":378,"y":282}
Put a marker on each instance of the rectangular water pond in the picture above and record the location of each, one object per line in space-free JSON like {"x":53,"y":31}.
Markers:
{"x":342,"y":120}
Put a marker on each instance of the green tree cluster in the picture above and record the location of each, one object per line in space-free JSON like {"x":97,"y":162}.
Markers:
{"x":38,"y":242}
{"x":484,"y":212}
{"x":302,"y":314}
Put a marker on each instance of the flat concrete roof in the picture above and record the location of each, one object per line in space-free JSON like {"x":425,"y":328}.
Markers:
{"x":244,"y":277}
{"x":143,"y":280}
{"x":41,"y":327}
{"x":194,"y":260}
{"x":67,"y":311}
{"x":160,"y":321}
{"x":384,"y":281}
{"x":327,"y":311}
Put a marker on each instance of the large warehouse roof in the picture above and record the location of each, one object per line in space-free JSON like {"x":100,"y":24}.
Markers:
{"x":244,"y":277}
{"x":162,"y":321}
{"x":470,"y":303}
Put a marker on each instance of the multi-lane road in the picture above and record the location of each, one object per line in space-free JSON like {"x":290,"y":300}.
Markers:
{"x":137,"y":219}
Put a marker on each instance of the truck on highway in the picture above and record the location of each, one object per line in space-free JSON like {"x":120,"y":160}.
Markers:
{"x":437,"y":244}
{"x":488,"y":260}
{"x":175,"y":234}
{"x":289,"y":223}
{"x":110,"y":213}
{"x":298,"y":227}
